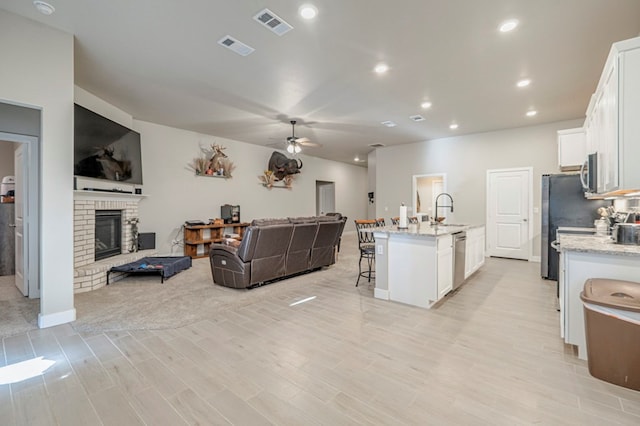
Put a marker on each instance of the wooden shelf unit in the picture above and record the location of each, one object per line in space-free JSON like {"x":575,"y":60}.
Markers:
{"x":195,"y":236}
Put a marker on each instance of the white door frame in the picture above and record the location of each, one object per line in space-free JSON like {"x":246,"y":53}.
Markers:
{"x":321,"y":187}
{"x":31,"y":167}
{"x":443,"y":176}
{"x":489,"y":229}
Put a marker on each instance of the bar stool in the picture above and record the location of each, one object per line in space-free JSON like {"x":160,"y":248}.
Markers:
{"x":380,"y":221}
{"x":395,"y":220}
{"x":367,"y":246}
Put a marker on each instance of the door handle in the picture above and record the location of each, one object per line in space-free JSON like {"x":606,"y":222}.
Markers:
{"x":524,"y":220}
{"x":12,"y":225}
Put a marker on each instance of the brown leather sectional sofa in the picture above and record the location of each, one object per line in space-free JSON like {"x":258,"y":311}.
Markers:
{"x":276,"y":248}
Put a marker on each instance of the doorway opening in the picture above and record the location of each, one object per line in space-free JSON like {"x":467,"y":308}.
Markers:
{"x":24,"y":211}
{"x":425,"y":190}
{"x":325,"y":197}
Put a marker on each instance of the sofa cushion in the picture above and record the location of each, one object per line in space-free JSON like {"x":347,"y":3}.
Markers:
{"x":270,"y":252}
{"x":299,"y":253}
{"x":269,"y":221}
{"x":303,"y":219}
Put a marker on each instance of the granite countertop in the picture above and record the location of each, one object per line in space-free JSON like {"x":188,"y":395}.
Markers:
{"x":595,"y":244}
{"x":423,"y":229}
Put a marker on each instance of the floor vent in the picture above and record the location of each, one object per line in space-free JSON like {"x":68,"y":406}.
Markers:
{"x":237,"y":46}
{"x":417,"y":118}
{"x":272,"y":22}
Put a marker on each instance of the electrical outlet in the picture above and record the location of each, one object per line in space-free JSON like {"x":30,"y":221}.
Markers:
{"x":380,"y":249}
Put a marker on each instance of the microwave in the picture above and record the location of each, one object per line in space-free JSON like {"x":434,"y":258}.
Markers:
{"x":589,"y":174}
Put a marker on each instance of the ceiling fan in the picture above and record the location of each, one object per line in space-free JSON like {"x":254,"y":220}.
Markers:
{"x":295,"y":144}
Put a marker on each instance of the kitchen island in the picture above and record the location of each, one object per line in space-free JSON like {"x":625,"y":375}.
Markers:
{"x":583,"y":257}
{"x":416,"y":265}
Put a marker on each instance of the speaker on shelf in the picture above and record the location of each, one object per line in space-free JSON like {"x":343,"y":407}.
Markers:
{"x":138,"y":191}
{"x":146,"y":240}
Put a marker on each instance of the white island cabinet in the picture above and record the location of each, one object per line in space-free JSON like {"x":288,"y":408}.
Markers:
{"x":474,"y":254}
{"x":583,"y":257}
{"x":415,"y":266}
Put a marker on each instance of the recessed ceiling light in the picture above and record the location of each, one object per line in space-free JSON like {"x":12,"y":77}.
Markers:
{"x":356,"y":159}
{"x":426,"y":105}
{"x":523,"y":83}
{"x":44,"y":7}
{"x":308,"y":11}
{"x":381,"y":68}
{"x":453,"y":126}
{"x":388,"y":123}
{"x":509,"y":25}
{"x":531,"y":113}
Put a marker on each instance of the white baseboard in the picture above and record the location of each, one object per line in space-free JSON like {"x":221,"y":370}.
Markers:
{"x":379,"y":293}
{"x":51,"y":320}
{"x":537,"y":259}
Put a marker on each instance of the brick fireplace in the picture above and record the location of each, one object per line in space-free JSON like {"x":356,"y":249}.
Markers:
{"x":90,"y":274}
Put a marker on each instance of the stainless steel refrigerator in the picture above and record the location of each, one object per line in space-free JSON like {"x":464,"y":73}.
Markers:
{"x":563,"y":204}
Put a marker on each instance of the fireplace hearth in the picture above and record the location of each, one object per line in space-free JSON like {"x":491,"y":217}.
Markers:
{"x":108,"y":233}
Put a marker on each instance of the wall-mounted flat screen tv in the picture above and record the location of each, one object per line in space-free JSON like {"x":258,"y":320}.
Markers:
{"x":104,"y":149}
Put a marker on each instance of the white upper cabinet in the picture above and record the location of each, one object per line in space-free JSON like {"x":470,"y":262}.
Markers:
{"x":612,"y":125}
{"x":572,"y":149}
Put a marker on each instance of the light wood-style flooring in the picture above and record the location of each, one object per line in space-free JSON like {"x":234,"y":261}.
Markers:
{"x":490,"y":354}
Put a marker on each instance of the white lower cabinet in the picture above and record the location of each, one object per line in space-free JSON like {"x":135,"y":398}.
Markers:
{"x":577,"y":267}
{"x":474,"y":255}
{"x":445,"y":265}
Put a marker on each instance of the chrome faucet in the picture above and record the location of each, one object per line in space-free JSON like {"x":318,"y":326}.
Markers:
{"x":446,"y":207}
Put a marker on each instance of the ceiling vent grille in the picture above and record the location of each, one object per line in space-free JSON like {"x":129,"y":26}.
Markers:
{"x":272,"y":22}
{"x":237,"y":46}
{"x":376,"y":145}
{"x":388,"y":123}
{"x":417,"y":117}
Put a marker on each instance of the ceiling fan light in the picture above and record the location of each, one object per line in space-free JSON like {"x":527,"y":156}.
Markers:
{"x":297,"y":148}
{"x":290,"y":148}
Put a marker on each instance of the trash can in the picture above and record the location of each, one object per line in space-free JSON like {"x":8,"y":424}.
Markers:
{"x":612,"y":329}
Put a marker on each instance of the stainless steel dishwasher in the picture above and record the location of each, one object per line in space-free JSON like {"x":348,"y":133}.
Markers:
{"x":459,"y":250}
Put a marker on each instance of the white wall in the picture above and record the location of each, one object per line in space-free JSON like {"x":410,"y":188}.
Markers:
{"x":371,"y":164}
{"x":176,"y":194}
{"x":465,"y":160}
{"x":6,"y":158}
{"x":37,"y":70}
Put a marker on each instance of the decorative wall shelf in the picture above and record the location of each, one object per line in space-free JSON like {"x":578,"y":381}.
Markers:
{"x":213,"y":176}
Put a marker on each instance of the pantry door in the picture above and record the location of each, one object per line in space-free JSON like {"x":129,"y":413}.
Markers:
{"x":509,"y":200}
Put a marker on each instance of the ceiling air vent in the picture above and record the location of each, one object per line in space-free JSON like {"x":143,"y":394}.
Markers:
{"x":273,"y":22}
{"x":388,"y":123}
{"x":237,"y":46}
{"x":417,"y":117}
{"x":376,"y":145}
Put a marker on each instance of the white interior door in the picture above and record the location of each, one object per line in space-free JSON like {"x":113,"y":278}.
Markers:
{"x":508,"y":205}
{"x":325,"y":198}
{"x":21,"y":259}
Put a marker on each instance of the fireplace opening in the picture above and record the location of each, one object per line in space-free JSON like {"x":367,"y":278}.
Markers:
{"x":108,"y":233}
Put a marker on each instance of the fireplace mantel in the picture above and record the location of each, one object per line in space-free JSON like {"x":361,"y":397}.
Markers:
{"x":100,"y":195}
